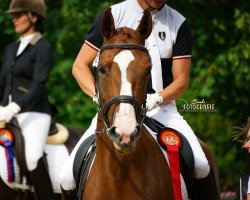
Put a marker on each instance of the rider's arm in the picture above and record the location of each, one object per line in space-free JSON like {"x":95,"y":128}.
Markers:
{"x":81,"y":69}
{"x":180,"y":70}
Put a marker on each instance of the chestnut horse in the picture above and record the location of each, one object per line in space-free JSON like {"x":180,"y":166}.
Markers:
{"x":128,"y":163}
{"x":23,"y":192}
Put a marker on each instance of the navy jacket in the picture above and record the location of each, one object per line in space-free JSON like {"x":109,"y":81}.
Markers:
{"x":24,"y":76}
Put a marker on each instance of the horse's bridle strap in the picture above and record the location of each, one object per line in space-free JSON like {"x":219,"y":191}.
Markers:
{"x":120,"y":99}
{"x":124,"y":46}
{"x":123,"y":99}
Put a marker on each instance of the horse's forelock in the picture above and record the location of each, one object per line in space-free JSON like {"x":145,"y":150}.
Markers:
{"x":125,"y":35}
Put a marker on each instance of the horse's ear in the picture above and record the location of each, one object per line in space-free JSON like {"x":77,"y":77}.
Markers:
{"x":108,"y":25}
{"x":145,"y":26}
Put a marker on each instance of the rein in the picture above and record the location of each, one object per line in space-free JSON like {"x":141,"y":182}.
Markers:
{"x":140,"y":108}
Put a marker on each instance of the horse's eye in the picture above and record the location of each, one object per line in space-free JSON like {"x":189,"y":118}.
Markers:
{"x":101,"y":69}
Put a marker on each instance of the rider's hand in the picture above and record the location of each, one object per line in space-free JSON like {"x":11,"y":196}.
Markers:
{"x":153,"y":100}
{"x":8,"y":112}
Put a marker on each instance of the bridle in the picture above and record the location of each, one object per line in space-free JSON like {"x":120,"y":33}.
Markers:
{"x":104,"y":108}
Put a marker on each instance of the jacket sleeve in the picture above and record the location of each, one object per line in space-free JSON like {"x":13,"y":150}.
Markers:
{"x":42,"y":65}
{"x":94,"y":36}
{"x":183,"y":44}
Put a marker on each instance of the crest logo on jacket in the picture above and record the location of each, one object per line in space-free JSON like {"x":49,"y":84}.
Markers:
{"x":162,"y":35}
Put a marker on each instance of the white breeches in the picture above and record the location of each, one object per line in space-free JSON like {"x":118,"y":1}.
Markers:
{"x":35,"y":128}
{"x":168,"y":115}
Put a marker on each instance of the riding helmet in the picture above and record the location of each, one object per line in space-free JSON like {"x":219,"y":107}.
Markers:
{"x":35,"y":6}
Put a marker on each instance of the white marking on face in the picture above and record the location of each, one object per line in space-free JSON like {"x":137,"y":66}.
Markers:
{"x":125,"y":120}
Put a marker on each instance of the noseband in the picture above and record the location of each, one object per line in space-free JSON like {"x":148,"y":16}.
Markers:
{"x":140,"y":108}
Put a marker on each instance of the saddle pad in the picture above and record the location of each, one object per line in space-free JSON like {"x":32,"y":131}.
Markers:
{"x":81,"y":154}
{"x":83,"y":162}
{"x":56,"y":157}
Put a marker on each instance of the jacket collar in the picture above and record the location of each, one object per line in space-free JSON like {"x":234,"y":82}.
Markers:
{"x":33,"y":41}
{"x":36,"y":38}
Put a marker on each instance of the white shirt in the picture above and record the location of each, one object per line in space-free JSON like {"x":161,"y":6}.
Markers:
{"x":167,"y":21}
{"x":24,"y":41}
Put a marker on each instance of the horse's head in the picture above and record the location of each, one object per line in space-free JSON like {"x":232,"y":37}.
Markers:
{"x":123,"y":70}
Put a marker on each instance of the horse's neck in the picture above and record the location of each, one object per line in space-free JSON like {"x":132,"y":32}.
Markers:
{"x":142,"y":174}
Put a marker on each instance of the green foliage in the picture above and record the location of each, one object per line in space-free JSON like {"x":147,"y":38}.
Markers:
{"x":219,"y":73}
{"x":75,"y":109}
{"x":221,"y":61}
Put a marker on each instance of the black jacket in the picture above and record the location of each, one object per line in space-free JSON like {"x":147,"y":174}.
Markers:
{"x":24,"y":76}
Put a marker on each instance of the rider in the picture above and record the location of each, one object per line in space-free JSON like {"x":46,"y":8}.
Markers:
{"x":170,"y":48}
{"x":25,"y":70}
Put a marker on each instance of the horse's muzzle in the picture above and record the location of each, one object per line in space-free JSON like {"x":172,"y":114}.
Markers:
{"x":124,"y":141}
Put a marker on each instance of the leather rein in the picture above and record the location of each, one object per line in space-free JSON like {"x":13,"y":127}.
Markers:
{"x":103,"y":109}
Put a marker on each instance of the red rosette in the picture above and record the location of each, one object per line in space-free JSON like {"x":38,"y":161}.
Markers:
{"x":169,"y":137}
{"x":171,"y":141}
{"x":6,"y":136}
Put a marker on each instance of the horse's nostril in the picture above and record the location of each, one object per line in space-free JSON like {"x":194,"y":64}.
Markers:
{"x":136,"y":134}
{"x":111,"y":131}
{"x":112,"y":134}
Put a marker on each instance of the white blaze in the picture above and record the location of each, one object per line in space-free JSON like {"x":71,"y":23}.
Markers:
{"x":125,"y":120}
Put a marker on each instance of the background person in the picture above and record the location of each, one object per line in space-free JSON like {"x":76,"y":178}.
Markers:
{"x":24,"y":73}
{"x":244,"y":132}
